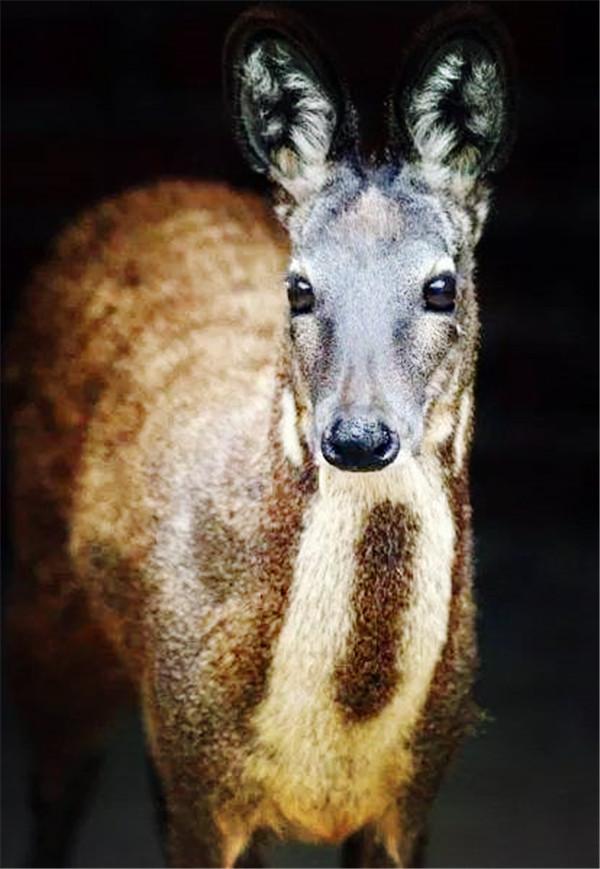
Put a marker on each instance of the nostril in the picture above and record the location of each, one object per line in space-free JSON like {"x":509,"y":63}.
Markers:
{"x":383,"y":441}
{"x":335,"y":432}
{"x":388,"y":447}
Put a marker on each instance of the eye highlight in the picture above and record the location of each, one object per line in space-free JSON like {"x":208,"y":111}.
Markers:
{"x":439,"y":293}
{"x":300,"y":294}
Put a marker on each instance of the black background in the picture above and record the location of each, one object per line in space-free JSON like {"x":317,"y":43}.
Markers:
{"x":98,"y":97}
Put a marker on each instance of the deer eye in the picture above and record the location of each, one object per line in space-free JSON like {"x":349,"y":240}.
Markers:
{"x":300,"y":295}
{"x":440,"y":293}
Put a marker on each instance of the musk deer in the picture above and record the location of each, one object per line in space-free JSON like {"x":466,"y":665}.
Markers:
{"x":251,"y":511}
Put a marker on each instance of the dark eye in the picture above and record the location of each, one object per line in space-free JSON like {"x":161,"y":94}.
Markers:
{"x":300,"y":294}
{"x":440,"y":293}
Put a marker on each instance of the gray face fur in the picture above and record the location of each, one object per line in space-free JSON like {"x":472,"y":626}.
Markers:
{"x":368,"y":238}
{"x":368,"y":245}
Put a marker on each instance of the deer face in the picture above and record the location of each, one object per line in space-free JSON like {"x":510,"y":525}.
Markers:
{"x":383,"y":317}
{"x":378,"y":302}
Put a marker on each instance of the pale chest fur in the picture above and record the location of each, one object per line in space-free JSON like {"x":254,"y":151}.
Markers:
{"x":321,"y":774}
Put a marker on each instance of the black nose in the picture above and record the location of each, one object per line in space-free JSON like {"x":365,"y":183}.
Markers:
{"x":360,"y":444}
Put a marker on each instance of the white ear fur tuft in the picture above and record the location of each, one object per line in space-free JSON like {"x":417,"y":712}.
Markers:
{"x":456,"y":113}
{"x":453,"y":116}
{"x":433,"y":138}
{"x":286,"y":114}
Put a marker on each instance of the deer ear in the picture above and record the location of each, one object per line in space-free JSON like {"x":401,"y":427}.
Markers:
{"x":289,"y":111}
{"x":454,"y":114}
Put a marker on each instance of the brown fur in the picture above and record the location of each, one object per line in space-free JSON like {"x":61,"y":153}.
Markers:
{"x":122,"y":298}
{"x":368,"y":674}
{"x":131,"y":288}
{"x":86,"y":306}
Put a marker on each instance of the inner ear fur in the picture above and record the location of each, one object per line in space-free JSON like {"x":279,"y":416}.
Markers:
{"x":453,"y":103}
{"x":299,"y":114}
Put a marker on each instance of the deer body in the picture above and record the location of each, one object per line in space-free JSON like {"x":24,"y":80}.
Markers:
{"x":300,"y":636}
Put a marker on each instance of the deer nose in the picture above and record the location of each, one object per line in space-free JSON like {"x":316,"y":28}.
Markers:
{"x":359,"y":444}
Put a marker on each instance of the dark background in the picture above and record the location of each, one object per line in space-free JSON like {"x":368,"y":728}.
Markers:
{"x":98,"y":97}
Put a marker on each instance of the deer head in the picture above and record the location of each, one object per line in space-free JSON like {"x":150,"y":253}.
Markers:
{"x":383,"y":315}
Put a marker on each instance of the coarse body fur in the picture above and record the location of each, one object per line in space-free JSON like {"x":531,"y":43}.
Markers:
{"x":300,"y":638}
{"x":181,"y":583}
